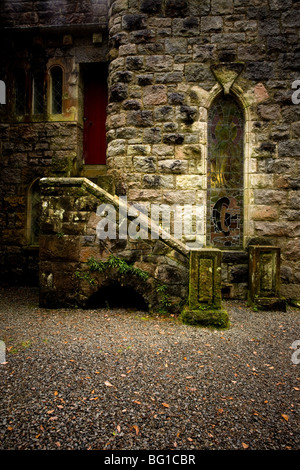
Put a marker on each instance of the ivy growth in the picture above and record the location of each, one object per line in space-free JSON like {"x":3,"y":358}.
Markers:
{"x":124,"y":268}
{"x":119,"y":264}
{"x":164,"y":298}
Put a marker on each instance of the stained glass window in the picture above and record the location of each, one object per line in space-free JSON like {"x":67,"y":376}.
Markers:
{"x":56,"y":90}
{"x":225,"y":173}
{"x":20,"y":89}
{"x":38,"y":93}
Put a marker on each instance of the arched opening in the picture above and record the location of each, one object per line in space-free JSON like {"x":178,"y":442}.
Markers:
{"x":114,"y":295}
{"x":225,"y":173}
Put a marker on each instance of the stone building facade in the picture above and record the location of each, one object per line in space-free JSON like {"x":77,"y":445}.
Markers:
{"x":196,"y":107}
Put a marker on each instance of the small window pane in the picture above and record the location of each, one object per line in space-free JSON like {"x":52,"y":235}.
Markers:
{"x":35,"y":209}
{"x":56,"y":90}
{"x":38,"y":93}
{"x":20,"y":93}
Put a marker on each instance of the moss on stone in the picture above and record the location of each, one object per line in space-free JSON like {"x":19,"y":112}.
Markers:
{"x":210,"y":317}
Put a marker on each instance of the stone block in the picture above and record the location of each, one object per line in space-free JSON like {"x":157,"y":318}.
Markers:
{"x":159,"y":63}
{"x":211,"y":24}
{"x":155,"y":95}
{"x":173,"y":166}
{"x":205,"y":298}
{"x":176,"y":8}
{"x":220,"y":7}
{"x":151,"y":6}
{"x":264,"y":278}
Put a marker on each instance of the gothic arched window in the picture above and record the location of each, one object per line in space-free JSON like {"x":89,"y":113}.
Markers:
{"x":225,"y":173}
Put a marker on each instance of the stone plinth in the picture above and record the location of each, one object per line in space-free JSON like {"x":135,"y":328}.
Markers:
{"x":204,"y":307}
{"x":264,"y":278}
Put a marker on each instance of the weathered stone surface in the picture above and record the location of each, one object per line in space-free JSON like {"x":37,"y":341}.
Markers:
{"x":204,"y":306}
{"x":176,"y":8}
{"x":173,"y":166}
{"x":264,"y":276}
{"x":155,"y":95}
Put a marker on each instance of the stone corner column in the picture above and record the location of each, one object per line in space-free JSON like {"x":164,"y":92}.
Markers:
{"x":205,"y":299}
{"x":264,"y":278}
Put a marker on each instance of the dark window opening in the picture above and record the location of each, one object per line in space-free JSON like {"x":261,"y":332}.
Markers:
{"x":34,"y":213}
{"x":20,"y":93}
{"x":38,"y":93}
{"x":117,"y":296}
{"x":56,"y":90}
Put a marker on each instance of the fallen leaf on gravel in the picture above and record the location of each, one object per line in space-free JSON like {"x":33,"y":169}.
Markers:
{"x":137,"y":402}
{"x":56,"y":392}
{"x":136,"y":428}
{"x":285,"y":417}
{"x":166,"y":405}
{"x":245,"y":446}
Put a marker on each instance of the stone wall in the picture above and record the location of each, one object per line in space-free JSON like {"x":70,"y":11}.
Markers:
{"x":28,"y":152}
{"x":35,"y":34}
{"x":58,"y":12}
{"x":163,"y":79}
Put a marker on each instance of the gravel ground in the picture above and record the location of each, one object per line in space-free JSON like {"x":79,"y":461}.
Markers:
{"x":124,"y":380}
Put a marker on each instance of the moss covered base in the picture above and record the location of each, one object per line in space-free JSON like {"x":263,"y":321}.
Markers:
{"x":217,"y":318}
{"x":269,"y":304}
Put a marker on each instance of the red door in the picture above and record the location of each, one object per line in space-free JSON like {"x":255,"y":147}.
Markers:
{"x":95,"y":102}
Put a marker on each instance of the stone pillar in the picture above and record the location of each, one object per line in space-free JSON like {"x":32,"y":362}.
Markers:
{"x":204,"y":305}
{"x":264,"y":278}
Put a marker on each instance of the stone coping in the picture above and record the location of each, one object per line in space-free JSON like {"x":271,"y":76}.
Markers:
{"x":97,"y":191}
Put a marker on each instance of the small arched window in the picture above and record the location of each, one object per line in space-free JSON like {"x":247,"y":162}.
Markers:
{"x":38,"y":92}
{"x":56,"y":90}
{"x":33,"y":213}
{"x":225,"y":173}
{"x":20,"y":92}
